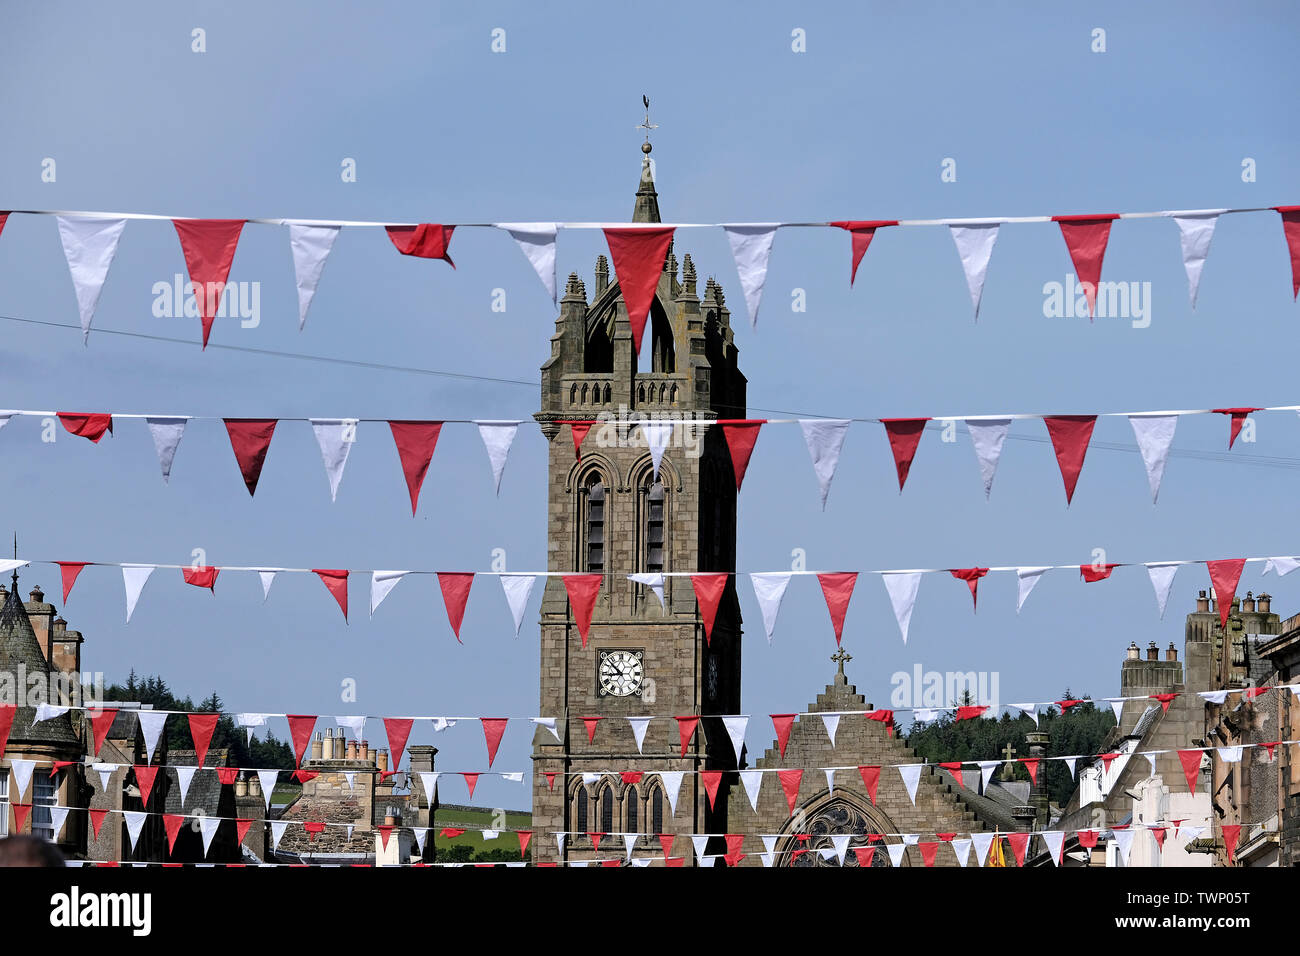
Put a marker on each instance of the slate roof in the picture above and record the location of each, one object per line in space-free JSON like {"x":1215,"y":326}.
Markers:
{"x":21,"y":656}
{"x":205,"y":788}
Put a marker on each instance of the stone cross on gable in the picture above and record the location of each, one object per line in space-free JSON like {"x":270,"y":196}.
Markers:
{"x":1008,"y":752}
{"x":1008,"y":768}
{"x":839,"y":657}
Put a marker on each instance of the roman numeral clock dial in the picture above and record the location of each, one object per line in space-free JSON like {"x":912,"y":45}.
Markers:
{"x":619,"y":672}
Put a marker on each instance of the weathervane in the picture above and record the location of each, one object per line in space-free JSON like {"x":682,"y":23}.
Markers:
{"x":647,"y":125}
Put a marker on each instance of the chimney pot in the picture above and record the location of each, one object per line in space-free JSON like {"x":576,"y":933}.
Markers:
{"x":1265,"y":603}
{"x":1202,"y":603}
{"x":1134,"y":653}
{"x":1172,"y":653}
{"x":1153,"y":652}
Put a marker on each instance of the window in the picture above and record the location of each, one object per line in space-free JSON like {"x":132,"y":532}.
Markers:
{"x":657,"y":810}
{"x":607,"y":810}
{"x":581,"y":825}
{"x":654,"y":528}
{"x":632,"y":799}
{"x":4,"y":801}
{"x":44,"y":795}
{"x":596,"y":528}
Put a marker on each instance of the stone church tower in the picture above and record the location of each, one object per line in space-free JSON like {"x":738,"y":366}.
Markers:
{"x":608,"y":514}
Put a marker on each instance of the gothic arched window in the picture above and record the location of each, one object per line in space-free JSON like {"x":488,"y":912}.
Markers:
{"x":657,"y":809}
{"x":580,"y":816}
{"x":632,"y":798}
{"x":655,"y":520}
{"x":607,"y":810}
{"x":595,"y":557}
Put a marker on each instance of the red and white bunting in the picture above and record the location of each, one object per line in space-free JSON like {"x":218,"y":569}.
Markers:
{"x":89,"y":245}
{"x":1195,"y":231}
{"x":336,"y":582}
{"x":517,"y":588}
{"x":415,"y":443}
{"x":751,"y":247}
{"x":1070,"y":435}
{"x":428,"y":240}
{"x":582,"y":590}
{"x":708,"y":593}
{"x":837,"y":588}
{"x":250,"y":438}
{"x":134,"y":577}
{"x":1086,"y":238}
{"x":741,"y":436}
{"x":1291,"y":229}
{"x":336,"y":436}
{"x":904,"y":436}
{"x":769,"y":590}
{"x":497,"y":437}
{"x":1162,"y":580}
{"x":381,"y":583}
{"x":862,"y":231}
{"x":902,"y":587}
{"x":987,"y":436}
{"x":975,"y":247}
{"x":825,"y":440}
{"x":639,"y":255}
{"x":455,"y":586}
{"x":209,"y":249}
{"x":310,"y":246}
{"x":537,"y":242}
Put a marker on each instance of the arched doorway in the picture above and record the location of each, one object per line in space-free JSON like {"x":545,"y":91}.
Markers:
{"x":830,"y":816}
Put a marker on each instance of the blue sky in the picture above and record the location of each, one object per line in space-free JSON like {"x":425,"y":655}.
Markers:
{"x":444,"y":130}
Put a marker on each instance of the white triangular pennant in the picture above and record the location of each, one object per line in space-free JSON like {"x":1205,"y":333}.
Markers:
{"x":1283,"y":566}
{"x":895,"y":851}
{"x":629,"y":842}
{"x":902,"y":587}
{"x":699,"y":842}
{"x":986,"y":772}
{"x":672,"y":781}
{"x":590,"y":779}
{"x":657,"y":436}
{"x":1213,"y":696}
{"x":134,"y":820}
{"x":429,"y":781}
{"x":981,"y":842}
{"x":830,"y":779}
{"x":336,"y":436}
{"x":987,"y":436}
{"x":356,"y":724}
{"x":266,"y":779}
{"x":1029,"y":710}
{"x":1123,"y":842}
{"x":736,"y":731}
{"x":1195,"y":233}
{"x":975,"y":247}
{"x":652,"y":580}
{"x":517,"y":588}
{"x":310,"y":246}
{"x":1069,"y":762}
{"x":537,"y":242}
{"x":421,"y":834}
{"x":841,"y":843}
{"x":351,"y":777}
{"x":768,"y":859}
{"x":167,"y":434}
{"x":549,"y":724}
{"x":89,"y":246}
{"x":1151,"y":759}
{"x":769,"y":591}
{"x":249,"y":721}
{"x":1162,"y":579}
{"x":1229,"y":754}
{"x":184,"y":775}
{"x":277,"y":831}
{"x":962,"y":848}
{"x":1055,"y":840}
{"x":497,"y":439}
{"x":639,"y":725}
{"x":832,"y":723}
{"x":1027,"y":578}
{"x":267,"y":577}
{"x":911,"y":774}
{"x":151,"y":725}
{"x":48,"y":712}
{"x":381,"y":583}
{"x":208,"y":829}
{"x":825,"y":440}
{"x":133,"y":577}
{"x":58,"y":816}
{"x":22,"y":773}
{"x":752,"y":780}
{"x":1154,"y":433}
{"x":105,"y":771}
{"x":751,"y":247}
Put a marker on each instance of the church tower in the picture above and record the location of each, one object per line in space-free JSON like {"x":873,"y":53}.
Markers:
{"x":608,"y":514}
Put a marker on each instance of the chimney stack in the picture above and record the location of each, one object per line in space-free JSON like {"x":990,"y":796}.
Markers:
{"x":1134,"y":653}
{"x":1248,"y":602}
{"x":1202,"y":603}
{"x":1153,"y":652}
{"x":317,"y":746}
{"x":1172,"y":653}
{"x":1265,"y":603}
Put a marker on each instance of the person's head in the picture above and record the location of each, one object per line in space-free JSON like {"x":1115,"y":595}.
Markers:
{"x":29,"y":851}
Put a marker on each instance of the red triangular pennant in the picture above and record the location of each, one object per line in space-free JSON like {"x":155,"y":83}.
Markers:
{"x":302,"y":776}
{"x":201,"y":577}
{"x":144,"y":778}
{"x":1290,"y":227}
{"x":1031,"y":764}
{"x":428,"y":240}
{"x":1159,"y":834}
{"x":630,"y":777}
{"x":21,"y":812}
{"x":7,"y":712}
{"x":227,"y":775}
{"x":1088,"y":838}
{"x":863,"y":231}
{"x":300,"y":728}
{"x":686,"y":729}
{"x":1086,"y":238}
{"x":1092,"y":573}
{"x":1065,"y":705}
{"x":591,"y":723}
{"x":242,"y":827}
{"x":172,"y":823}
{"x":87,"y":425}
{"x":209,"y":248}
{"x":493,"y":729}
{"x":415,"y":443}
{"x":639,"y":255}
{"x":1019,"y":843}
{"x":1191,"y":761}
{"x":202,"y":727}
{"x":790,"y":780}
{"x":1225,"y":575}
{"x":929,"y":850}
{"x":524,"y":837}
{"x":250,"y":438}
{"x":582,"y":590}
{"x":783,"y":723}
{"x":954,"y":768}
{"x":904,"y":436}
{"x":666,"y":841}
{"x":837,"y":588}
{"x":1231,"y":833}
{"x":550,"y":779}
{"x":398,"y":730}
{"x":734,"y":842}
{"x":1107,"y":760}
{"x":471,"y":781}
{"x":708,"y":592}
{"x":455,"y":593}
{"x":741,"y":435}
{"x":970,"y":711}
{"x":711,"y":778}
{"x":69,"y":570}
{"x":1237,"y":418}
{"x":972,"y":578}
{"x":336,"y":582}
{"x":97,"y":820}
{"x":100,"y":722}
{"x":871,"y":780}
{"x":1164,"y":701}
{"x":864,"y":854}
{"x":1070,"y":435}
{"x":579,"y":430}
{"x":4,"y":218}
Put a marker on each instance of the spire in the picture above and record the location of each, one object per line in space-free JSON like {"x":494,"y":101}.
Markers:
{"x":647,"y":200}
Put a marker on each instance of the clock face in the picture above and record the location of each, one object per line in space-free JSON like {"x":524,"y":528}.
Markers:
{"x":619,"y":673}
